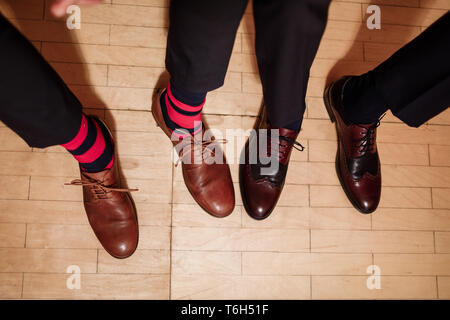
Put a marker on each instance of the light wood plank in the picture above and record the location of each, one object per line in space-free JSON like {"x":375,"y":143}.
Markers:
{"x":441,"y":198}
{"x":372,"y":241}
{"x":12,"y":235}
{"x":47,"y":260}
{"x":354,"y":287}
{"x":236,"y":287}
{"x":413,"y":264}
{"x":442,"y":240}
{"x":234,"y":239}
{"x":142,"y":261}
{"x":271,"y":263}
{"x":96,"y":286}
{"x":10,"y":285}
{"x":206,"y":263}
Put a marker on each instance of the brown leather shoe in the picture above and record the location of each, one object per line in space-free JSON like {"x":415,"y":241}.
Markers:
{"x":210,"y":184}
{"x":357,"y":160}
{"x":110,"y":211}
{"x":261,"y":190}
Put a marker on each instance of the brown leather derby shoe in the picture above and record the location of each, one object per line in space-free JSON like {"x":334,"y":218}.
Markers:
{"x":210,"y":184}
{"x":357,"y":160}
{"x":260,"y":191}
{"x":110,"y":211}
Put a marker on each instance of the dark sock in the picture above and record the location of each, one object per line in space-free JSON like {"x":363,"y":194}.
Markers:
{"x":92,"y":147}
{"x":294,"y":125}
{"x":182,"y":109}
{"x":362,"y":102}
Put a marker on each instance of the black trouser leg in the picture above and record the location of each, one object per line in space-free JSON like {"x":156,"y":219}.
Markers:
{"x":34,"y":101}
{"x":200,"y":41}
{"x":288,"y":34}
{"x":415,"y":81}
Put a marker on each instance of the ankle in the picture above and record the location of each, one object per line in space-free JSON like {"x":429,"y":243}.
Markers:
{"x":295,"y":125}
{"x":92,"y":146}
{"x":191,"y":98}
{"x":362,"y":103}
{"x":181,"y":110}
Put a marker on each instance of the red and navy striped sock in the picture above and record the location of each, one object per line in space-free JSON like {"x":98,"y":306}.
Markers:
{"x":182,"y":111}
{"x":93,"y":146}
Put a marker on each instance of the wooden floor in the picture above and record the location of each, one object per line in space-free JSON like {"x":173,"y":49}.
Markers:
{"x":315,"y":245}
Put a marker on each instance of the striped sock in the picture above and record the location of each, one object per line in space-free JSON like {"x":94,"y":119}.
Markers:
{"x":182,"y":111}
{"x":93,"y":146}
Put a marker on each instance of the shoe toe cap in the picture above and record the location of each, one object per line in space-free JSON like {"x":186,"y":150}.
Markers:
{"x":120,"y":241}
{"x":122,"y":249}
{"x":259,"y":212}
{"x":260,"y":201}
{"x":366,"y":197}
{"x":367,"y":205}
{"x":217,"y":199}
{"x":220,"y":206}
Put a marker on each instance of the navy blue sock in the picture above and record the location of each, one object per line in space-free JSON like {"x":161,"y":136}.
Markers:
{"x":187,"y":97}
{"x":294,"y":125}
{"x":92,"y":147}
{"x":182,"y":109}
{"x":362,"y":102}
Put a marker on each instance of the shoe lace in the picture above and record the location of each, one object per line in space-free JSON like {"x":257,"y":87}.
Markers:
{"x":367,"y":141}
{"x":283,"y":148}
{"x":207,"y":147}
{"x":99,"y":190}
{"x":291,"y":142}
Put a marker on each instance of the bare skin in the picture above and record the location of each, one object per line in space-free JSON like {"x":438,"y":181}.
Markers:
{"x":58,"y":7}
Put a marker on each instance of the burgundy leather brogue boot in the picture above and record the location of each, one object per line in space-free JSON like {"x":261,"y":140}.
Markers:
{"x":357,"y":160}
{"x":260,"y":185}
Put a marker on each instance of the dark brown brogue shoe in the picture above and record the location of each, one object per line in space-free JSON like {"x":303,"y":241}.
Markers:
{"x":261,"y":182}
{"x":110,"y":211}
{"x":209,"y":183}
{"x":357,"y":160}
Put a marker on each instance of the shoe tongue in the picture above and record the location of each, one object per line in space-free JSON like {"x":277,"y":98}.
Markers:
{"x":365,"y":126}
{"x":286,"y":132}
{"x":102,"y":176}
